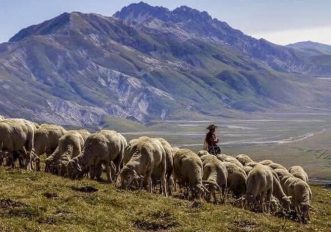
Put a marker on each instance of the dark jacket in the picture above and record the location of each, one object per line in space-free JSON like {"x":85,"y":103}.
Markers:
{"x":211,"y":139}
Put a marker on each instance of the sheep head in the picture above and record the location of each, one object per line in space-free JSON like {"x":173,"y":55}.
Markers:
{"x":286,"y":202}
{"x":74,"y":169}
{"x":305,"y":212}
{"x":199,"y":190}
{"x":126,"y":177}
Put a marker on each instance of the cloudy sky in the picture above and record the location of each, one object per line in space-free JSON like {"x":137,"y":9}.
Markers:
{"x":280,"y":21}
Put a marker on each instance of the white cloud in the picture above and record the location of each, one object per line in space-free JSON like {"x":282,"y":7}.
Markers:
{"x":316,"y":34}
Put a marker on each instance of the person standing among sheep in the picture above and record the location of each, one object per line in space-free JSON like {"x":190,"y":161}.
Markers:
{"x":211,"y":141}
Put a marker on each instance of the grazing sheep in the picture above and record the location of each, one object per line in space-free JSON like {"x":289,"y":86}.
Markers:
{"x":214,"y":177}
{"x":260,"y":187}
{"x":278,"y":192}
{"x":236,"y":179}
{"x":299,"y":172}
{"x":46,"y":140}
{"x":121,"y":144}
{"x":170,"y":165}
{"x":244,"y":159}
{"x":70,"y":146}
{"x":227,"y":158}
{"x":301,"y":195}
{"x":156,"y":175}
{"x":103,"y":147}
{"x":188,"y":172}
{"x":16,"y":138}
{"x":148,"y":157}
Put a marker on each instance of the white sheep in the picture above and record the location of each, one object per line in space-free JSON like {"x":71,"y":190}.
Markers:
{"x":46,"y":140}
{"x":17,"y":137}
{"x":236,"y":179}
{"x":259,"y":187}
{"x":170,"y":165}
{"x":299,"y":172}
{"x":70,"y":146}
{"x":148,"y":157}
{"x":278,"y":192}
{"x":214,"y":176}
{"x":104,"y":147}
{"x":301,"y":195}
{"x":188,"y":172}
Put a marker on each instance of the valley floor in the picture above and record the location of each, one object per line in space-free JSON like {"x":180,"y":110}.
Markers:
{"x":31,"y":201}
{"x":290,"y":139}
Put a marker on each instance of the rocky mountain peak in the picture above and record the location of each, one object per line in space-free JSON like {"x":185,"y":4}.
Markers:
{"x":56,"y":25}
{"x":184,"y":13}
{"x":140,"y":12}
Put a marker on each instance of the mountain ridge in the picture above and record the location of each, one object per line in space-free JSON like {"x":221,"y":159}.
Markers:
{"x":81,"y":68}
{"x":312,"y":47}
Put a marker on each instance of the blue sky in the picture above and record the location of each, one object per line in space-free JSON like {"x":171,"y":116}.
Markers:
{"x":280,"y":21}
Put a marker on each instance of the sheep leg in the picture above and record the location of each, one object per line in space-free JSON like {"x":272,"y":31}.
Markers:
{"x":37,"y":160}
{"x":163,"y":179}
{"x":268,"y":199}
{"x":260,"y":203}
{"x":113,"y":169}
{"x":92,"y":172}
{"x":224,"y":193}
{"x":186,"y":192}
{"x":118,"y":163}
{"x":148,"y":181}
{"x":108,"y":172}
{"x":170,"y":182}
{"x":214,"y":196}
{"x":12,"y":158}
{"x":26,"y":156}
{"x":297,"y":212}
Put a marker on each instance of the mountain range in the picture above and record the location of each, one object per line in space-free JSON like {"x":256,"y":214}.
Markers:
{"x":148,"y":63}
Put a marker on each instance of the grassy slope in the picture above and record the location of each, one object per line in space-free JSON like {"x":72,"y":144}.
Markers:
{"x":110,"y":209}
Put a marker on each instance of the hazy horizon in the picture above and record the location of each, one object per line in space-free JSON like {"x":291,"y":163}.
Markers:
{"x":282,"y":22}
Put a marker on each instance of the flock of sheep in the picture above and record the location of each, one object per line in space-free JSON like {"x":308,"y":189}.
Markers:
{"x":148,"y":163}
